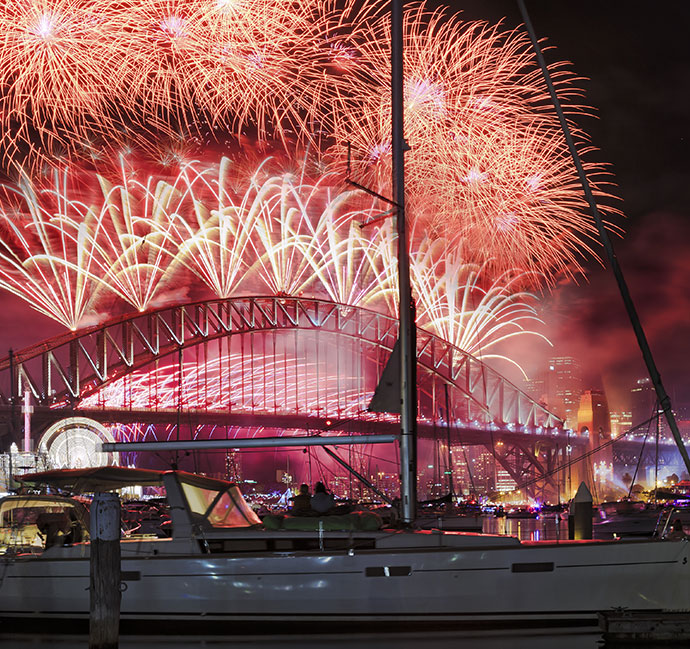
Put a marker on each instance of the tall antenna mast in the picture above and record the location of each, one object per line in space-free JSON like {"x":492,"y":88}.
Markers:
{"x":407,"y":331}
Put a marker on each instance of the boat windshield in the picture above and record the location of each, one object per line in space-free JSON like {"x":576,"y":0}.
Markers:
{"x":33,"y":523}
{"x":224,"y":507}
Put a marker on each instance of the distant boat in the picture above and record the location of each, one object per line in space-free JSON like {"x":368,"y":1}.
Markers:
{"x":626,"y":518}
{"x":521,"y":512}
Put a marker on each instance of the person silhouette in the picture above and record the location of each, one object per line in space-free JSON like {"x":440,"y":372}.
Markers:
{"x":322,"y":502}
{"x":301,"y":503}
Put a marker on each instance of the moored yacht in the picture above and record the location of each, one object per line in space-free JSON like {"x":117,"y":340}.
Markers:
{"x":221,"y":566}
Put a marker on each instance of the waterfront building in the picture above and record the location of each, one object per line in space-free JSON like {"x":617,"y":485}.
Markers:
{"x":483,"y":470}
{"x":642,"y":401}
{"x":558,"y":387}
{"x":566,"y":385}
{"x":504,"y":481}
{"x":621,"y":422}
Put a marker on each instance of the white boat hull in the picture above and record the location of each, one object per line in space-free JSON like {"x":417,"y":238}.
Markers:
{"x":536,"y":584}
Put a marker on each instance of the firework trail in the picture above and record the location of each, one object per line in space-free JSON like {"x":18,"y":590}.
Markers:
{"x":213,"y":239}
{"x":284,"y":231}
{"x":469,"y":307}
{"x":128,"y":244}
{"x":487,"y":166}
{"x":259,"y":66}
{"x":344,"y":261}
{"x":297,"y":385}
{"x":296,"y":235}
{"x":41,"y":261}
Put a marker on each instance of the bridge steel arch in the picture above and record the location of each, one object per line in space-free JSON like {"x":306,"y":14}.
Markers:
{"x":65,"y":369}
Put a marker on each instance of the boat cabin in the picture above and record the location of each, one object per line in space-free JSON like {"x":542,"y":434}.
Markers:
{"x":31,"y":523}
{"x":210,"y":516}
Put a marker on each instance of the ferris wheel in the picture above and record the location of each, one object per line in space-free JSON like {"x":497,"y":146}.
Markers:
{"x":75,"y":443}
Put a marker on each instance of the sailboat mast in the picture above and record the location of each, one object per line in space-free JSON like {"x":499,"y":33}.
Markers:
{"x":408,"y":344}
{"x":662,"y":396}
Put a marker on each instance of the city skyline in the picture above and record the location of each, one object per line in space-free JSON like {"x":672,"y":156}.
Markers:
{"x":583,"y":326}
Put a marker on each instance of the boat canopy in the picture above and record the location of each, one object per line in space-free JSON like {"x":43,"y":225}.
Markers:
{"x":91,"y":480}
{"x":34,"y":522}
{"x":210,"y":501}
{"x":215,"y":503}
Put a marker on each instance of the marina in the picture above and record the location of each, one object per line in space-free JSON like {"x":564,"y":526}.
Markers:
{"x":288,"y":406}
{"x":223,"y":565}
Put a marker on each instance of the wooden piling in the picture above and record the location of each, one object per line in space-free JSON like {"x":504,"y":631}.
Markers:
{"x":580,"y":516}
{"x":105,"y":594}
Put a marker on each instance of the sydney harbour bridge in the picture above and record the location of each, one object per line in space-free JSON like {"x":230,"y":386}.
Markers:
{"x":260,"y":366}
{"x":131,"y":207}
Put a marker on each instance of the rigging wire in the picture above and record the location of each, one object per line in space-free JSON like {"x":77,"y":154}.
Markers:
{"x":586,"y":455}
{"x":644,"y":441}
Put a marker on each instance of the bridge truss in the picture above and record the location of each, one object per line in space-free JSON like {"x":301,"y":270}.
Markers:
{"x":275,"y":364}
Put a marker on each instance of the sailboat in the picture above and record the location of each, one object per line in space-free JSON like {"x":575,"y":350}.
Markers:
{"x":221,"y":567}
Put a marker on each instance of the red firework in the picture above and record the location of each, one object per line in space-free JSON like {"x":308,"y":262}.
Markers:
{"x":56,"y":76}
{"x":488,"y":165}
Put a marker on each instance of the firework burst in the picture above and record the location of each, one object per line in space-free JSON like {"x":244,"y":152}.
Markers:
{"x":213,"y":238}
{"x":280,"y":232}
{"x":41,"y":261}
{"x":487,"y":173}
{"x":129,"y":244}
{"x":56,"y":74}
{"x":468,"y":306}
{"x":488,"y":165}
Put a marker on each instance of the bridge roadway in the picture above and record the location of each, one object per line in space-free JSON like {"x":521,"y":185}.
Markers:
{"x":44,"y":416}
{"x":465,"y":434}
{"x":525,"y":453}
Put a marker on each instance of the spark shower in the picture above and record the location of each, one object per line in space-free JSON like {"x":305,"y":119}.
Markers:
{"x":155,"y":149}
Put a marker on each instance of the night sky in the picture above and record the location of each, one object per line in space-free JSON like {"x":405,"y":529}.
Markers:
{"x":635,"y":58}
{"x":636,"y":62}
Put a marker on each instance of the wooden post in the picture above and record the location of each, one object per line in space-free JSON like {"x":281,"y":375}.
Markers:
{"x":104,"y":621}
{"x":580,"y":516}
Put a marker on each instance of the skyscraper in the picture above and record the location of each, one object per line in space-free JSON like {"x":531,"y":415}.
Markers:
{"x":642,"y":400}
{"x":567,"y":387}
{"x":559,"y":388}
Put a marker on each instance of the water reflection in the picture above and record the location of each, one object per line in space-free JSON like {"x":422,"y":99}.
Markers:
{"x":544,"y":528}
{"x":568,"y":639}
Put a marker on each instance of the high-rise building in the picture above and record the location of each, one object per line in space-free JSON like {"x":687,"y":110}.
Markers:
{"x":504,"y":481}
{"x":642,"y":400}
{"x":536,"y":388}
{"x":482,"y":465}
{"x":558,"y":387}
{"x":621,"y":422}
{"x":566,"y":385}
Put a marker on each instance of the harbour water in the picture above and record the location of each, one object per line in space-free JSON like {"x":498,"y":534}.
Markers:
{"x":544,"y":528}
